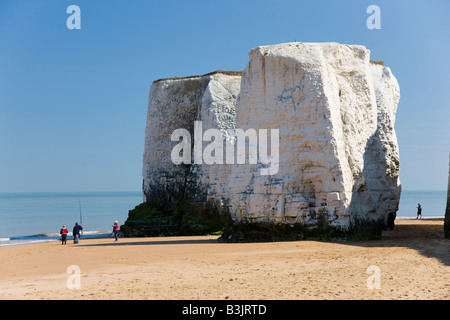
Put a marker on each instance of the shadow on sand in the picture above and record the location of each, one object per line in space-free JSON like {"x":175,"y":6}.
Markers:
{"x":150,"y":242}
{"x":426,"y":236}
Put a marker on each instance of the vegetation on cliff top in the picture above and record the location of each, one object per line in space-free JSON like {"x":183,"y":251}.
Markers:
{"x":229,"y":73}
{"x":378,"y":62}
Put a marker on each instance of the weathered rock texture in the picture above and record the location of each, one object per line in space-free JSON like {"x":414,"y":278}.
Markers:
{"x":338,"y":154}
{"x":177,"y":104}
{"x":180,"y":198}
{"x":339,"y":162}
{"x":447,"y":210}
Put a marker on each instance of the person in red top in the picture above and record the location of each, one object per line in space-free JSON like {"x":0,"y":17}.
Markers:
{"x":116,"y":230}
{"x":63,"y":234}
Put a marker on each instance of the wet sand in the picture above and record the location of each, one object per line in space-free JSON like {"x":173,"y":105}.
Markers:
{"x":413,"y":262}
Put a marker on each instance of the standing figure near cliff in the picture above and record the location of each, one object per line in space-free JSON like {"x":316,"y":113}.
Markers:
{"x":116,"y":230}
{"x":419,"y":211}
{"x":76,"y":232}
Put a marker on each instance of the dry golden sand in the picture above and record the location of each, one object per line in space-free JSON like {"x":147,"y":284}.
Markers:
{"x":414,"y":262}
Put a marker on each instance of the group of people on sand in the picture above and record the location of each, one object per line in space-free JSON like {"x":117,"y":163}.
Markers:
{"x":77,"y":231}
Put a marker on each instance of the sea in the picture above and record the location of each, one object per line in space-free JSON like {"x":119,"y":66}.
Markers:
{"x":38,"y":217}
{"x":433,"y":204}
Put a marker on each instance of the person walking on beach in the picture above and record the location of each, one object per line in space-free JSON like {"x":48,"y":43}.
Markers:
{"x":76,"y":232}
{"x":419,"y":211}
{"x":63,"y":234}
{"x":116,"y":230}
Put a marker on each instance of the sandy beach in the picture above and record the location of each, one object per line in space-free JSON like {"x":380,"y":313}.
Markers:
{"x":413,"y":262}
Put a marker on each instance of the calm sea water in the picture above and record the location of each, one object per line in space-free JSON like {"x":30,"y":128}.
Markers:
{"x":433,"y":204}
{"x":35,"y":217}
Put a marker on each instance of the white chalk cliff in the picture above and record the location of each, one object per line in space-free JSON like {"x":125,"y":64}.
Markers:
{"x":338,"y":154}
{"x":177,"y":104}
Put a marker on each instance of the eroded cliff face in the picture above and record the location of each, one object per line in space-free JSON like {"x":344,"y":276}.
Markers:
{"x":338,"y":160}
{"x":177,"y":104}
{"x":382,"y":155}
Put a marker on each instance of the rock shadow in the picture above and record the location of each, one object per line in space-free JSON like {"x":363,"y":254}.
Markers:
{"x":133,"y":242}
{"x":422,"y":236}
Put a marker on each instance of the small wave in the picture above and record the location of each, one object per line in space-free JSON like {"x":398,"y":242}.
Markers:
{"x":12,"y":242}
{"x":95,"y":232}
{"x":35,"y":236}
{"x":45,"y":237}
{"x":423,"y":218}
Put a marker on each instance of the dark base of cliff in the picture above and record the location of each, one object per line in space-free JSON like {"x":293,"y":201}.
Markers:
{"x":148,"y":221}
{"x":262,"y":232}
{"x":447,"y":227}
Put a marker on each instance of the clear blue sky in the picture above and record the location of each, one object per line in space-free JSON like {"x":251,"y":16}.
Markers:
{"x":73,"y":103}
